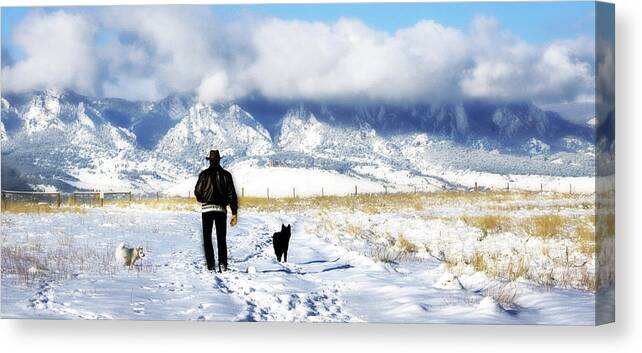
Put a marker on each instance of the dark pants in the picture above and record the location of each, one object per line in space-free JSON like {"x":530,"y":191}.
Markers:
{"x":219,"y":219}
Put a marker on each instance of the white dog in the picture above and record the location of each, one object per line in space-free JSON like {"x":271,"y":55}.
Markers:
{"x":129,"y":256}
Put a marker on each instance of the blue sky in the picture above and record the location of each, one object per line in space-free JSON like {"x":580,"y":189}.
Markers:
{"x":532,"y":21}
{"x":535,"y":22}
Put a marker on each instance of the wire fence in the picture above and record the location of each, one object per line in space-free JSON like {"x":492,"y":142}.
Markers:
{"x":101,"y":198}
{"x":57,"y":199}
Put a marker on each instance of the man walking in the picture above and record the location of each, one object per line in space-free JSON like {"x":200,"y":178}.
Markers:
{"x":215,"y":191}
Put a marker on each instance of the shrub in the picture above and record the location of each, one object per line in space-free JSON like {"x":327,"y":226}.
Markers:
{"x":386,"y":254}
{"x":503,"y":293}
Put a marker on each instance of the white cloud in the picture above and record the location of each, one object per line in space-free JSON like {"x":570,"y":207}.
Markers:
{"x":133,"y":88}
{"x":348,"y":60}
{"x":508,"y":68}
{"x":156,"y":51}
{"x":172,"y":46}
{"x":59,"y":53}
{"x":217,"y":87}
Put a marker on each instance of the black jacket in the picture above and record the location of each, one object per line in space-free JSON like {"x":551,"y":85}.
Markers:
{"x":215,"y":186}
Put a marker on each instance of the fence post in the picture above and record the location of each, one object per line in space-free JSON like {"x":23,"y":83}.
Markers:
{"x":507,"y":186}
{"x":294,"y":193}
{"x":385,"y":188}
{"x":475,"y":186}
{"x":242,"y":192}
{"x":541,"y":187}
{"x":58,"y":199}
{"x":355,"y":190}
{"x":157,"y":198}
{"x":322,"y":191}
{"x":570,"y":188}
{"x":268,"y":193}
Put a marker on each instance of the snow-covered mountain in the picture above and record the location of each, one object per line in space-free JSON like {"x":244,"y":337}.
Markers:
{"x":62,"y":140}
{"x":204,"y":127}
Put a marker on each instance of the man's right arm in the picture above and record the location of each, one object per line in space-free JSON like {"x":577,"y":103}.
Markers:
{"x":198,"y":189}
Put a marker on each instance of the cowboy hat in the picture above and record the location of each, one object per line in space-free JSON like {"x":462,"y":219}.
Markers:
{"x":214,"y":156}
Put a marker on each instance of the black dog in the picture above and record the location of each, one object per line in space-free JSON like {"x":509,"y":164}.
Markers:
{"x":281,"y":240}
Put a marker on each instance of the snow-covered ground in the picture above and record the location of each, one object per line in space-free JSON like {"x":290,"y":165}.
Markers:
{"x":286,"y":182}
{"x":325,"y":280}
{"x":253,"y":180}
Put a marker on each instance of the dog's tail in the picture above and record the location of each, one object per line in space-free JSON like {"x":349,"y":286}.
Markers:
{"x":118,"y":251}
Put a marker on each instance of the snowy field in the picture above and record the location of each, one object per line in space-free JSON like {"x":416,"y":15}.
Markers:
{"x":255,"y":181}
{"x":61,"y":266}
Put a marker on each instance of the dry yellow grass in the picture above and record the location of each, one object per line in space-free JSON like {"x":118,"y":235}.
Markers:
{"x":610,"y":224}
{"x":586,"y":205}
{"x":544,"y":226}
{"x":517,"y":269}
{"x":367,"y":203}
{"x":478,"y":262}
{"x":353,"y":230}
{"x":605,"y":225}
{"x":33,"y":259}
{"x":535,"y":204}
{"x":406,"y":245}
{"x":166,"y":203}
{"x":585,"y":236}
{"x":28,"y":207}
{"x":590,"y":219}
{"x":375,"y":203}
{"x":489,"y":223}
